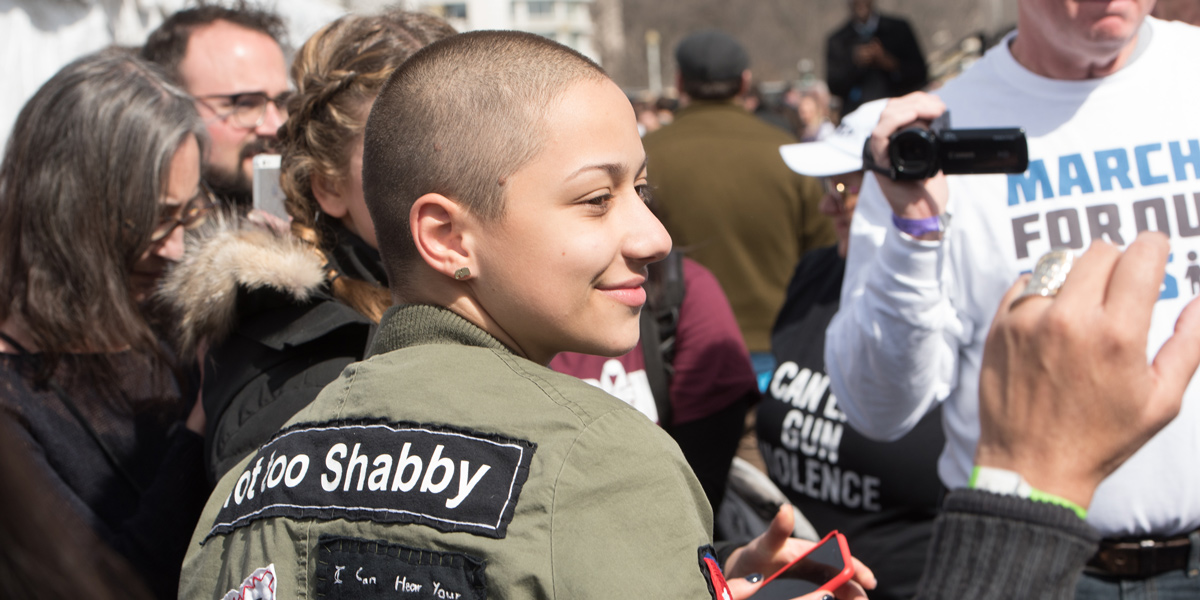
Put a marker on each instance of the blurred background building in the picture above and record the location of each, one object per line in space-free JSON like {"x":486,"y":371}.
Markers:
{"x":568,"y":22}
{"x":633,"y":39}
{"x":786,"y":38}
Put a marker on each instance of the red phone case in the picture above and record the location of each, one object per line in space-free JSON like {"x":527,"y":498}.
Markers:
{"x":836,"y":581}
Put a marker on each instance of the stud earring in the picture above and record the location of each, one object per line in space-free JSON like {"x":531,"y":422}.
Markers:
{"x":462,"y":273}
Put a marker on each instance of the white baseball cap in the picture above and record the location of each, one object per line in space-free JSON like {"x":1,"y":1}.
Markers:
{"x":841,"y":151}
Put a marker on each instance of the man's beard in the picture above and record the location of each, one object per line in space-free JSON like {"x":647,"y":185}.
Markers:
{"x":233,"y":189}
{"x":237,"y":188}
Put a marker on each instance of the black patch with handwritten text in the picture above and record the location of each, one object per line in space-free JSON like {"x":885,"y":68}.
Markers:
{"x":350,"y":568}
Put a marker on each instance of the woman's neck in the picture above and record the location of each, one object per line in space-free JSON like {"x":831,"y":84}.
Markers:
{"x":430,"y":288}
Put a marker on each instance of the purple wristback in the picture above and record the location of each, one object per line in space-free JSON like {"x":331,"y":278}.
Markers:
{"x":918,"y":227}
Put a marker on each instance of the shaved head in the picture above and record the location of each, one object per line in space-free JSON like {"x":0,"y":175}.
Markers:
{"x":458,"y":119}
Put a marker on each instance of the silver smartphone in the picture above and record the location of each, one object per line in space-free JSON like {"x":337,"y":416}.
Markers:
{"x":268,"y":195}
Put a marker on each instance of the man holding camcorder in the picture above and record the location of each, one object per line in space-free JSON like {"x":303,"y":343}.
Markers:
{"x":931,"y":258}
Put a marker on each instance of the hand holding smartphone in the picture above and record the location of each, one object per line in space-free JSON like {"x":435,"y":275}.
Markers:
{"x":828,"y":562}
{"x":268,"y":195}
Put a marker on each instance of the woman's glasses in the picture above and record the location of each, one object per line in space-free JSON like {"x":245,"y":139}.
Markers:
{"x":189,"y":215}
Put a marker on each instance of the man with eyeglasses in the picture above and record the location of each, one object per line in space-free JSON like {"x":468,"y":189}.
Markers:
{"x":231,"y":60}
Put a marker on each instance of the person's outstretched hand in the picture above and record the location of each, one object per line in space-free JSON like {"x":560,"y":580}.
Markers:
{"x":1065,"y":393}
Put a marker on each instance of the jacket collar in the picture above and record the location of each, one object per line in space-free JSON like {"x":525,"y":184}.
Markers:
{"x":696,"y":106}
{"x":421,"y":324}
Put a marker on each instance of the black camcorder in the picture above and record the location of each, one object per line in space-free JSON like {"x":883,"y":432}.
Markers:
{"x":918,"y":153}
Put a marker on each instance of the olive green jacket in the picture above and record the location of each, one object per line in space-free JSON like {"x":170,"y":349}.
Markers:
{"x":732,"y":205}
{"x":484,"y":473}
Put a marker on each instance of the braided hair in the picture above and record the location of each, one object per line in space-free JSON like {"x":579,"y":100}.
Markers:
{"x":337,"y":74}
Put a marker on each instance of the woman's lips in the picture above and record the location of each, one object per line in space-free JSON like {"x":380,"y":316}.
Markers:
{"x":630,"y":294}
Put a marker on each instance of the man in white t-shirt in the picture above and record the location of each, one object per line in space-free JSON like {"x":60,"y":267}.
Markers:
{"x":1114,"y":150}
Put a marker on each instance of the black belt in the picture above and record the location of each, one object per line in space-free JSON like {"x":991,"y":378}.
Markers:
{"x":1140,"y":558}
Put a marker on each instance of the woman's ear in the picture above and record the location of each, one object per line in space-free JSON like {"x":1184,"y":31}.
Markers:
{"x":329,"y":196}
{"x":440,"y":230}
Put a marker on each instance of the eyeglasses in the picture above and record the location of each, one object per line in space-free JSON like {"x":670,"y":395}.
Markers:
{"x":839,"y":190}
{"x":190,"y":214}
{"x":246,"y":110}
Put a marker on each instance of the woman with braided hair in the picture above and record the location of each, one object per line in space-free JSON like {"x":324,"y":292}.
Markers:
{"x":282,"y":315}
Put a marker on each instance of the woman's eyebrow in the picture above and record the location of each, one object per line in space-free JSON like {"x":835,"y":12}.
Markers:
{"x":617,"y":171}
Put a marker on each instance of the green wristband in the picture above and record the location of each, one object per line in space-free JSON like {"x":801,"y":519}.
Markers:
{"x":1010,"y":483}
{"x":1039,"y":496}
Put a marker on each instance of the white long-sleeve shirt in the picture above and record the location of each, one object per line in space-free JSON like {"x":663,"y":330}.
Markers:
{"x":1108,"y":158}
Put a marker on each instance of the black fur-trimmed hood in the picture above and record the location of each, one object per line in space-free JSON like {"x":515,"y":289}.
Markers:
{"x":202,"y":289}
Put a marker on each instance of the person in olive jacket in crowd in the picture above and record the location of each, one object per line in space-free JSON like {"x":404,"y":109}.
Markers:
{"x":452,"y":459}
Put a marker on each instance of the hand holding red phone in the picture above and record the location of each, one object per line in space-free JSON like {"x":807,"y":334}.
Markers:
{"x":828,"y":560}
{"x":775,"y":551}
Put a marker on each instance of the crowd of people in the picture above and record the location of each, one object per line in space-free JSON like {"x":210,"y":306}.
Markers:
{"x":514,"y":327}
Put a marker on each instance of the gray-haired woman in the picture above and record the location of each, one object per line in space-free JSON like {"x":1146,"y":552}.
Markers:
{"x":100,"y":176}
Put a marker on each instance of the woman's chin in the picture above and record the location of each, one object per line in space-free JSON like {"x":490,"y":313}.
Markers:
{"x":610,"y":347}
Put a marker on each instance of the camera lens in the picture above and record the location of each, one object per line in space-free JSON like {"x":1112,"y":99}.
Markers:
{"x":913,"y":152}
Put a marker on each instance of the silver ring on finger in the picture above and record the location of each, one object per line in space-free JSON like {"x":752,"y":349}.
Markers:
{"x":1049,"y":274}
